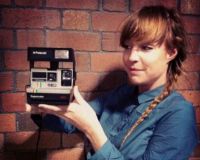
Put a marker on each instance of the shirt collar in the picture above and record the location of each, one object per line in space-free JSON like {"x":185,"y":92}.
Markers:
{"x":146,"y":97}
{"x":149,"y":95}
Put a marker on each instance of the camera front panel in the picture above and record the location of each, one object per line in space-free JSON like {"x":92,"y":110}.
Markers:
{"x":44,"y":78}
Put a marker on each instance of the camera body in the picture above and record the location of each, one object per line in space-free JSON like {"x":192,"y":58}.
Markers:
{"x":51,"y":85}
{"x":52,"y":79}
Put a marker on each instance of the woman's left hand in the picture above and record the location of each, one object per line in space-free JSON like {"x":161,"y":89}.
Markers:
{"x":82,"y":116}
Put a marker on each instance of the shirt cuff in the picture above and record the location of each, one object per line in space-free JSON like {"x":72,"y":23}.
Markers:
{"x":108,"y":150}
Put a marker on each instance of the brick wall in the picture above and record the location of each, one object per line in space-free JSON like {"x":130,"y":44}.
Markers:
{"x":92,"y":28}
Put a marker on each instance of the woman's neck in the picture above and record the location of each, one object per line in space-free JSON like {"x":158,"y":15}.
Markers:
{"x":144,"y":88}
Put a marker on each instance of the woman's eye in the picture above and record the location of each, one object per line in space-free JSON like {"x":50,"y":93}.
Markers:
{"x":146,"y":48}
{"x":128,"y":47}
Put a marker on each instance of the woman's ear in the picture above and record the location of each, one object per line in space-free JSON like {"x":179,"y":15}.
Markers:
{"x":172,"y":54}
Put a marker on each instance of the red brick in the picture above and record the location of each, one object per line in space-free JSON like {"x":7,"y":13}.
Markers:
{"x":106,"y":62}
{"x":7,"y":156}
{"x":194,"y":44}
{"x":27,"y":140}
{"x":35,"y":3}
{"x":198,"y":116}
{"x":192,"y":96}
{"x":83,"y":41}
{"x":114,"y":5}
{"x":82,"y":62}
{"x":6,"y":39}
{"x":7,"y":123}
{"x":13,"y":102}
{"x":99,"y":82}
{"x":20,"y":140}
{"x":192,"y":24}
{"x":29,"y":155}
{"x":110,"y":42}
{"x":198,"y":129}
{"x":73,"y":4}
{"x":107,"y":21}
{"x":111,"y":80}
{"x":136,"y":4}
{"x":72,"y":140}
{"x":22,"y":80}
{"x":2,"y":66}
{"x":190,"y":7}
{"x":87,"y":81}
{"x":23,"y":155}
{"x":50,"y":140}
{"x":30,"y":38}
{"x":16,"y":60}
{"x":6,"y":81}
{"x":188,"y":81}
{"x":88,"y":96}
{"x":76,"y":20}
{"x":192,"y":63}
{"x":66,"y":154}
{"x":25,"y":123}
{"x":5,"y":2}
{"x":196,"y":152}
{"x":1,"y":141}
{"x":30,"y":18}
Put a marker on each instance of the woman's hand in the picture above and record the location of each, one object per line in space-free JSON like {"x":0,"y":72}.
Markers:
{"x":82,"y":116}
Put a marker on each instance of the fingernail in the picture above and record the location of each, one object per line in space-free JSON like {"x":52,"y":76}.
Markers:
{"x":28,"y":108}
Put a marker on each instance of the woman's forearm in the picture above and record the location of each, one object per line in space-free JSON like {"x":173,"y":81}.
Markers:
{"x":97,"y":136}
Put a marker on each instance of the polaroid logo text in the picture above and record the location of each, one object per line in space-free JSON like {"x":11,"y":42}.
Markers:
{"x":39,"y":52}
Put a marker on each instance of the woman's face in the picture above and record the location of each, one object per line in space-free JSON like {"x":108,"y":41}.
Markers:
{"x":146,"y":65}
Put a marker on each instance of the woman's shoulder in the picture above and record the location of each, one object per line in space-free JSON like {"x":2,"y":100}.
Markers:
{"x":176,"y":103}
{"x":177,"y":98}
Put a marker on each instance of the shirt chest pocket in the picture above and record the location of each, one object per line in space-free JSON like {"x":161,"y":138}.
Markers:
{"x":141,"y":141}
{"x":143,"y":137}
{"x":115,"y":123}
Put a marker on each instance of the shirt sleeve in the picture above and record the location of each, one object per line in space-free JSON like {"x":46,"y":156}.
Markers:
{"x":53,"y":123}
{"x":174,"y":137}
{"x":107,"y":152}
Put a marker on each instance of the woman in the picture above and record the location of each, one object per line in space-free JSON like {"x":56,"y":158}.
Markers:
{"x":147,"y":118}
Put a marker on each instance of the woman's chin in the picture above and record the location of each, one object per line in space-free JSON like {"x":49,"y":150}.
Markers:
{"x":135,"y":81}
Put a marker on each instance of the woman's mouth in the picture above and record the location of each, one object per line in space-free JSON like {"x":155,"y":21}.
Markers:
{"x":134,"y":71}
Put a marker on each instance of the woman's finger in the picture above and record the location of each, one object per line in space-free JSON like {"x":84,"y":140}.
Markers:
{"x":53,"y":108}
{"x":32,"y":108}
{"x":78,"y":96}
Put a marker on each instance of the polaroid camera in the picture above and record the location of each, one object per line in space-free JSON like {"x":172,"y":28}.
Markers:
{"x":51,"y":85}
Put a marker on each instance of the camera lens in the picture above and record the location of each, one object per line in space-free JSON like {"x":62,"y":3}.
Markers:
{"x":51,"y":76}
{"x":67,"y":74}
{"x":66,"y":77}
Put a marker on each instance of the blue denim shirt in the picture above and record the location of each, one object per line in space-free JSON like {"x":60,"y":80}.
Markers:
{"x":168,"y":133}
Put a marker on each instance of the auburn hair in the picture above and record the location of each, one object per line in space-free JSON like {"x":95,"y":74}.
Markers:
{"x":159,"y":25}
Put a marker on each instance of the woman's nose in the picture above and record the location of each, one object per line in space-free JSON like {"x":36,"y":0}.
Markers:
{"x":134,"y":54}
